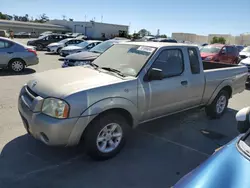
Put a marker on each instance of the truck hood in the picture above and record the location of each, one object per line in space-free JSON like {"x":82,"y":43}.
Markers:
{"x":72,"y":48}
{"x":245,"y":53}
{"x":226,"y":168}
{"x":83,"y":56}
{"x":60,"y":83}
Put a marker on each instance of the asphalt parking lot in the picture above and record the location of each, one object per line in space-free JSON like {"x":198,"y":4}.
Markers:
{"x":157,"y":154}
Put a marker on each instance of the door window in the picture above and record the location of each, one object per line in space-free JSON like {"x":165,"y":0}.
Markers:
{"x":170,"y":62}
{"x":194,"y":60}
{"x":230,"y":50}
{"x":5,"y":44}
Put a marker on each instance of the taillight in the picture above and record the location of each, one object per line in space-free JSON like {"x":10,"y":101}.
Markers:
{"x":32,"y":51}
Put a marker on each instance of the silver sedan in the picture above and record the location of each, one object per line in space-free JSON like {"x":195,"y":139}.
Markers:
{"x":16,"y":56}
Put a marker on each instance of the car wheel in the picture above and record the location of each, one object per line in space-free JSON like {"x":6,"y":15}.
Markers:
{"x":39,"y":47}
{"x":218,"y":106}
{"x":59,"y":50}
{"x":17,"y":65}
{"x":105,"y":136}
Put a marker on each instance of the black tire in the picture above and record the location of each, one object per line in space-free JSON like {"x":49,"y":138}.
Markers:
{"x":211,"y":110}
{"x":39,"y":47}
{"x":20,"y":65}
{"x":59,"y":50}
{"x":93,"y":130}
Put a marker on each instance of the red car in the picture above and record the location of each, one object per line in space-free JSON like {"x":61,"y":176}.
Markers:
{"x":220,"y":53}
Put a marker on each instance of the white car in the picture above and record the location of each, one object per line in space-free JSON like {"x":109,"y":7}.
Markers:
{"x":244,"y":53}
{"x":83,"y":46}
{"x":57,"y":46}
{"x":246,"y":62}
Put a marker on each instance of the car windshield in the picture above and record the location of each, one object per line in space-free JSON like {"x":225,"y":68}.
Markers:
{"x":126,"y":58}
{"x":83,"y":44}
{"x":210,"y":49}
{"x":247,"y":49}
{"x":100,"y":48}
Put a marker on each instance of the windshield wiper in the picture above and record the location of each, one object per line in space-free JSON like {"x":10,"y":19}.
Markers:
{"x":94,"y":65}
{"x":114,"y":70}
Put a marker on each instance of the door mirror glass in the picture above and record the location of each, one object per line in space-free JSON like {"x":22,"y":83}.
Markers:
{"x":155,"y":74}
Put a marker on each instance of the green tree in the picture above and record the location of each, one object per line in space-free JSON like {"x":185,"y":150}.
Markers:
{"x":163,"y":36}
{"x":42,"y":18}
{"x":220,"y":40}
{"x":3,"y":16}
{"x":144,"y":32}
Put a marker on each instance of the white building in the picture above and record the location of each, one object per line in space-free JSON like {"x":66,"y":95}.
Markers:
{"x":95,"y":30}
{"x":199,"y":39}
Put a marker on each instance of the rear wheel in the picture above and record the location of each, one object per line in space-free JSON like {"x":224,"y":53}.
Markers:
{"x":105,"y":136}
{"x":218,"y":106}
{"x":17,"y":65}
{"x":39,"y":47}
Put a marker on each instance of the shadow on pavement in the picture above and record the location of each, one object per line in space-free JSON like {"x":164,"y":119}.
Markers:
{"x":157,"y":154}
{"x":6,"y":72}
{"x":50,"y":53}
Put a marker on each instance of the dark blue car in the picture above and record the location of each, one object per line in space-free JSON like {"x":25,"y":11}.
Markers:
{"x":229,"y":166}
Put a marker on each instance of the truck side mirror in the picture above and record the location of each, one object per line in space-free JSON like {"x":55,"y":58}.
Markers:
{"x":155,"y":74}
{"x":243,"y":119}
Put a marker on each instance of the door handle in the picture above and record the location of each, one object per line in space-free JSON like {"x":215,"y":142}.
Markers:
{"x":10,"y":52}
{"x":184,"y":83}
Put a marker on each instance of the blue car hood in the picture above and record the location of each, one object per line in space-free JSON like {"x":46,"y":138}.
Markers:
{"x":224,"y":169}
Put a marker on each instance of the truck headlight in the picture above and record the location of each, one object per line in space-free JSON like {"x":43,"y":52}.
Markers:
{"x":55,"y":108}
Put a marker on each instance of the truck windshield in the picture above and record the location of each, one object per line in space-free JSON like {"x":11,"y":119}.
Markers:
{"x":247,"y":49}
{"x":126,"y":58}
{"x":210,"y":49}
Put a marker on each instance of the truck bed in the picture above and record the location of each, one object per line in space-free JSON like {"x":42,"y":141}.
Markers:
{"x":216,"y":73}
{"x":210,"y":65}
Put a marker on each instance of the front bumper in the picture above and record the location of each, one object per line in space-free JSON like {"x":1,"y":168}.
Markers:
{"x":52,"y":49}
{"x":51,"y":131}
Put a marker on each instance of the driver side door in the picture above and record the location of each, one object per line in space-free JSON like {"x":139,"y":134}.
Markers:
{"x":169,"y":94}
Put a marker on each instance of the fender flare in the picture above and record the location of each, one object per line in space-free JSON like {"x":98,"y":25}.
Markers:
{"x":89,"y":114}
{"x":225,"y":83}
{"x":112,"y":103}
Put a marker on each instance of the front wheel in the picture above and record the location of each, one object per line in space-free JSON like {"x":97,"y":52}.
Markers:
{"x":218,"y":106}
{"x":39,"y":47}
{"x":105,"y":136}
{"x":59,"y":50}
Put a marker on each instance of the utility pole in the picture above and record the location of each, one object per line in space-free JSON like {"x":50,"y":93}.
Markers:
{"x":102,"y":19}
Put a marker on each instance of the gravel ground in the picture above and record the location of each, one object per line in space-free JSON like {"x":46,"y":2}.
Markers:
{"x":157,"y":154}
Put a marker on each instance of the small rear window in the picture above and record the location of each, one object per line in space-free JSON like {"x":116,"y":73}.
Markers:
{"x":194,"y":60}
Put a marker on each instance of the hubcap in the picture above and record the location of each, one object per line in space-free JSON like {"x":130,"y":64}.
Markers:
{"x":221,"y":104}
{"x":17,"y":66}
{"x":109,"y":138}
